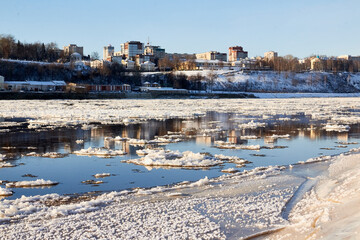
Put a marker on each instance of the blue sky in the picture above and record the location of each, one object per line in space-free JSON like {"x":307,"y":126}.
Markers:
{"x":300,"y":27}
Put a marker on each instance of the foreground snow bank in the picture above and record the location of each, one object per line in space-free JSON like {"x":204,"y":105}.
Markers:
{"x":207,"y":209}
{"x":331,"y":210}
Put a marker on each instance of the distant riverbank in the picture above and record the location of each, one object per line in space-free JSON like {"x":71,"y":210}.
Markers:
{"x":116,"y":95}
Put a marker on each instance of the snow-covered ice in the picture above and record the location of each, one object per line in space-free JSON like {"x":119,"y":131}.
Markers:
{"x":100,"y":152}
{"x":36,"y":183}
{"x":167,"y":158}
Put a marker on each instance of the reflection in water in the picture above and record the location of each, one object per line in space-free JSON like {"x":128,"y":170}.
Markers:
{"x":307,"y":138}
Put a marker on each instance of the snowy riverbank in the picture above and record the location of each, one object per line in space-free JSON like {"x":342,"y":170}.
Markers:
{"x":229,"y":207}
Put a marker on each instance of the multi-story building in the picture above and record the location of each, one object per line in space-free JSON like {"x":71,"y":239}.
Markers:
{"x":349,"y":57}
{"x":130,"y":49}
{"x":212,"y":55}
{"x":155,"y":51}
{"x":73,"y":48}
{"x":270,"y":55}
{"x":237,"y":53}
{"x":108,"y":52}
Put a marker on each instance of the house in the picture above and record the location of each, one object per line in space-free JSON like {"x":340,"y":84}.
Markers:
{"x":148,"y":66}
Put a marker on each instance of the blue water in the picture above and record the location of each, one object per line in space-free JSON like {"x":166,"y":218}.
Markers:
{"x":71,"y":170}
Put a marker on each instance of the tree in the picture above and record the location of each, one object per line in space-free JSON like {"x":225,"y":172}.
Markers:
{"x":95,"y":56}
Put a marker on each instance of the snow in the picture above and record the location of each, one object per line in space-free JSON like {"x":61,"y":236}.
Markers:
{"x":167,"y":158}
{"x":69,"y":113}
{"x":102,"y":175}
{"x":5,"y":192}
{"x":36,"y":183}
{"x":337,"y":128}
{"x":100,"y":152}
{"x":7,"y":164}
{"x":239,"y":205}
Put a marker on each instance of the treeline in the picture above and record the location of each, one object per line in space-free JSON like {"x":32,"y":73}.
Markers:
{"x":109,"y":74}
{"x":12,"y":49}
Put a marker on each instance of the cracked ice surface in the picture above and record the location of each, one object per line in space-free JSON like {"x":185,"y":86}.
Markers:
{"x":74,"y":112}
{"x":230,"y":206}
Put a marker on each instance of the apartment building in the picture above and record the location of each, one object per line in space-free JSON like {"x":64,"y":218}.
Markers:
{"x":237,"y":53}
{"x":212,"y":55}
{"x":73,"y":48}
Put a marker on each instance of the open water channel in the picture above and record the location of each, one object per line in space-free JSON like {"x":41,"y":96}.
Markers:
{"x":283,"y":140}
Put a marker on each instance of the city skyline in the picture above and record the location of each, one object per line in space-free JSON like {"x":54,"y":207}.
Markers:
{"x":300,"y":29}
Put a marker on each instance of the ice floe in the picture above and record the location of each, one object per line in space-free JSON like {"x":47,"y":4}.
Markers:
{"x":100,"y":152}
{"x":167,"y":158}
{"x":5,"y":192}
{"x":28,"y":184}
{"x":102,"y":175}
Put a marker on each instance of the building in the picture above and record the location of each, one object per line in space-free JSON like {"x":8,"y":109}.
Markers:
{"x":97,"y":63}
{"x":72,"y":48}
{"x":155,"y":51}
{"x":148,"y":66}
{"x":270,"y":55}
{"x":316,"y":64}
{"x":237,"y":53}
{"x":36,"y":86}
{"x":130,"y":49}
{"x":202,"y":64}
{"x":108,"y":52}
{"x":212,"y":55}
{"x":349,"y":57}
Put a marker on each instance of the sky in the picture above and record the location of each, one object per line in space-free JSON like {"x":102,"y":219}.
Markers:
{"x":297,"y":27}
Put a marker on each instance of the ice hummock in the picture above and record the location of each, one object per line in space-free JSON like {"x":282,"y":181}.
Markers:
{"x":100,"y":152}
{"x":168,"y":158}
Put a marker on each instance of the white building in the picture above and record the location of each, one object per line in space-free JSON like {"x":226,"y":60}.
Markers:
{"x":108,"y":52}
{"x":349,"y":57}
{"x":73,"y":48}
{"x":97,"y":64}
{"x":131,"y":49}
{"x":270,"y":55}
{"x":212,"y":55}
{"x":202,"y":64}
{"x":16,"y":86}
{"x":148,"y":66}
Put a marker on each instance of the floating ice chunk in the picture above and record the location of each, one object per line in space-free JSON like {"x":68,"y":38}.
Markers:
{"x":169,"y":158}
{"x":5,"y":192}
{"x":252,"y":125}
{"x":92,"y":182}
{"x":249,"y":137}
{"x":227,"y":145}
{"x":275,"y":136}
{"x":102,"y":175}
{"x":79,"y":141}
{"x":100,"y":152}
{"x":7,"y":164}
{"x":118,"y":138}
{"x":233,"y":159}
{"x":36,"y":183}
{"x":2,"y":157}
{"x":337,"y":128}
{"x":47,"y":155}
{"x":229,"y":170}
{"x":143,"y":152}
